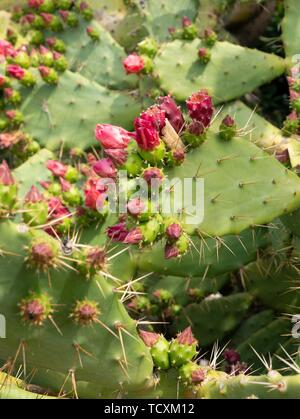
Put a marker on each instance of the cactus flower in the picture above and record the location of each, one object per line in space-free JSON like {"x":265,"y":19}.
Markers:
{"x":57,"y":168}
{"x":133,"y":64}
{"x":200,"y":107}
{"x":172,"y":111}
{"x":112,"y":137}
{"x":156,"y":116}
{"x":147,"y":135}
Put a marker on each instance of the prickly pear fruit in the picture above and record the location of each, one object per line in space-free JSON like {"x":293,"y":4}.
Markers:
{"x":159,"y":348}
{"x":183,"y":349}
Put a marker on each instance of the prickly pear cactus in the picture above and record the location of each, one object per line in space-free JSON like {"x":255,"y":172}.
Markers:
{"x":107,"y":292}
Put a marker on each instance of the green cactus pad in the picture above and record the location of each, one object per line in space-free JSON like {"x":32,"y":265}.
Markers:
{"x":153,"y":18}
{"x":32,"y":170}
{"x":251,"y":387}
{"x":227,"y":76}
{"x":244,"y":186}
{"x":68,"y":348}
{"x":291,"y":29}
{"x":97,"y":61}
{"x":213,"y":318}
{"x":212,"y":257}
{"x":265,"y":341}
{"x":66,"y":114}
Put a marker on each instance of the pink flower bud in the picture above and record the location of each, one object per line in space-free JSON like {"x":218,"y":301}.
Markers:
{"x":44,"y":71}
{"x":6,"y":48}
{"x":5,"y":175}
{"x":95,"y":193}
{"x":11,"y":114}
{"x":64,"y":14}
{"x":186,"y":337}
{"x":65,"y":185}
{"x":105,"y":168}
{"x":3,"y":80}
{"x":186,"y":22}
{"x":35,"y":4}
{"x":136,"y":207}
{"x":16,"y":71}
{"x":58,"y":169}
{"x":134,"y":236}
{"x":149,"y":338}
{"x":133,"y":64}
{"x":117,"y":232}
{"x":47,"y":18}
{"x":171,"y":251}
{"x":112,"y":137}
{"x":118,"y":156}
{"x":153,"y":174}
{"x":34,"y":195}
{"x":198,"y":376}
{"x":174,"y":231}
{"x":179,"y":156}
